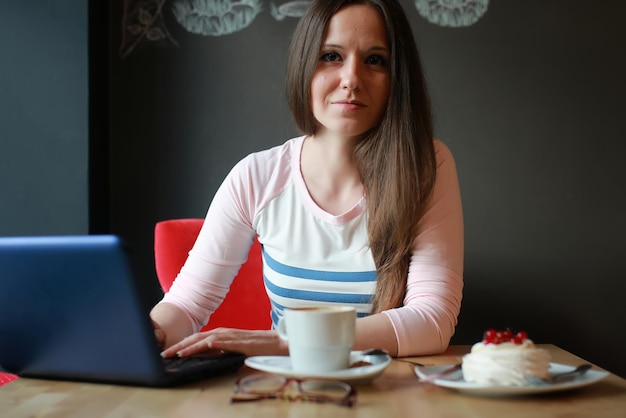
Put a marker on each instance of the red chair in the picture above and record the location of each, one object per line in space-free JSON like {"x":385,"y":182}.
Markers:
{"x":246,"y":306}
{"x":6,"y":378}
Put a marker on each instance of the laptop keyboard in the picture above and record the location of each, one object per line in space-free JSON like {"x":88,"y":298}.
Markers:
{"x":177,"y":364}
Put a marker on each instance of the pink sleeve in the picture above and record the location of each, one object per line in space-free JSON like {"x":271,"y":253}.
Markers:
{"x":425,"y":324}
{"x":227,"y":234}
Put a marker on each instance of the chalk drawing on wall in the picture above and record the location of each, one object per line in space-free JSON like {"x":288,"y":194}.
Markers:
{"x":294,"y":8}
{"x":215,"y":17}
{"x":143,"y":21}
{"x":452,"y":13}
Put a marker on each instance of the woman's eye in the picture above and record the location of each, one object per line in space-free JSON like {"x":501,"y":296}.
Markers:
{"x":376,"y":60}
{"x":331,"y":56}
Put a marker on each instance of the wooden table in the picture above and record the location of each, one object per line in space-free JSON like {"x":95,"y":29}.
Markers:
{"x":397,"y":393}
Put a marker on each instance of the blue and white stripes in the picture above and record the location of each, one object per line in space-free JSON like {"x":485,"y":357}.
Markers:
{"x":290,"y":287}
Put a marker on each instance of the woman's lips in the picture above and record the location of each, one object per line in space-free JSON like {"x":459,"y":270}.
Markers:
{"x":349,"y":104}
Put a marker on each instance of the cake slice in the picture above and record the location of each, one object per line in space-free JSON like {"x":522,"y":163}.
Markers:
{"x":505,"y":358}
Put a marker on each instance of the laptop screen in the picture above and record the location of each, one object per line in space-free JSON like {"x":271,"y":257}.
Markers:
{"x":70,"y":308}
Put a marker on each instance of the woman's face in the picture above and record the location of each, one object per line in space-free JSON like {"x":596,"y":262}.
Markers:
{"x":350,"y":86}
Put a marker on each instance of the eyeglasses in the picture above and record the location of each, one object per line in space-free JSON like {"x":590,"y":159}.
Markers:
{"x":265,"y":386}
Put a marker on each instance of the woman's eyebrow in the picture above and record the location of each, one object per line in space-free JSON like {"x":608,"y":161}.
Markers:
{"x":379,"y":48}
{"x":373,"y":48}
{"x":336,"y":46}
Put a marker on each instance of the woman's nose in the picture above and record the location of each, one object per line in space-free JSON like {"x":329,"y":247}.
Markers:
{"x":350,"y":75}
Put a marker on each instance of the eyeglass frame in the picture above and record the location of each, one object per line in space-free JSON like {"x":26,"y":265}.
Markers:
{"x":349,"y":400}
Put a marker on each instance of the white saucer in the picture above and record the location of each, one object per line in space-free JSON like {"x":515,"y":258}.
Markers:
{"x":282,"y":365}
{"x":455,"y":381}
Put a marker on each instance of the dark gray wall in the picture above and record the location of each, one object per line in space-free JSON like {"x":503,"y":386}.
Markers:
{"x":43,"y":117}
{"x":530,"y":99}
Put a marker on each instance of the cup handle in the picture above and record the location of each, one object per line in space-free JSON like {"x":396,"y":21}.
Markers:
{"x":282,"y":328}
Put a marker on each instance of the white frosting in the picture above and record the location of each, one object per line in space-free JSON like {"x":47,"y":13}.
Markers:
{"x":505,"y":363}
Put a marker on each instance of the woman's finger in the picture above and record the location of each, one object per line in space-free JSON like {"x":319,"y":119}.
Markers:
{"x":159,"y":334}
{"x":200,"y":347}
{"x":184,"y":343}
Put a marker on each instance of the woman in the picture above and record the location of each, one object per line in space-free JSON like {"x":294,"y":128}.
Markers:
{"x":364,"y":209}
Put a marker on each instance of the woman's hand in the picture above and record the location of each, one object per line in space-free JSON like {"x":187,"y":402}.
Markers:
{"x":249,"y":343}
{"x":159,"y":333}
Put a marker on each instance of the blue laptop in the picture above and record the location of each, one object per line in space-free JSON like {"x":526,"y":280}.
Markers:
{"x":70,"y":309}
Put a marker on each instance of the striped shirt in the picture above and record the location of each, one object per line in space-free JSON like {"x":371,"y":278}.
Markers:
{"x":312,"y":258}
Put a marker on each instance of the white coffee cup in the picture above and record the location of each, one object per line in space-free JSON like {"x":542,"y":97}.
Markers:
{"x":320,"y":338}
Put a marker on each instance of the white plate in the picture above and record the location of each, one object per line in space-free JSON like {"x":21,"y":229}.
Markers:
{"x":282,"y":365}
{"x":455,"y":381}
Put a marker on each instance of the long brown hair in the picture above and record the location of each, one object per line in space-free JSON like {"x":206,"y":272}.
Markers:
{"x":396,"y":159}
